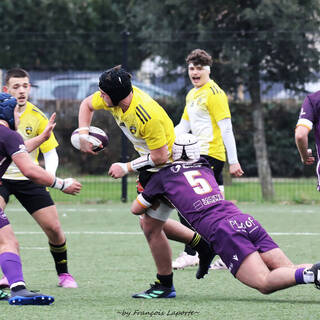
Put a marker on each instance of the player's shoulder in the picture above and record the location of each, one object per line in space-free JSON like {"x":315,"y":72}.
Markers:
{"x":7,"y":135}
{"x":213,"y":88}
{"x":97,"y":102}
{"x":33,"y":110}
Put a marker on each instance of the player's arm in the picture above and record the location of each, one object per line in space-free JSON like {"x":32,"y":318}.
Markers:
{"x":140,"y":205}
{"x":153,"y":159}
{"x":229,"y":142}
{"x":301,"y":138}
{"x":86,"y":112}
{"x":35,"y":142}
{"x":51,"y":161}
{"x":41,"y":176}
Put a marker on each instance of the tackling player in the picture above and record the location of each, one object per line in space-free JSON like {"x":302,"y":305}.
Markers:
{"x":13,"y":148}
{"x":239,"y":239}
{"x":207,"y":116}
{"x":309,"y":118}
{"x":35,"y":199}
{"x":148,"y":127}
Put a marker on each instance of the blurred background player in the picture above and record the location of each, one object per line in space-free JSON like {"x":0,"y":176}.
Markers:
{"x":146,"y":124}
{"x":35,"y":198}
{"x":309,"y":118}
{"x":207,"y":116}
{"x":12,"y":148}
{"x":248,"y":251}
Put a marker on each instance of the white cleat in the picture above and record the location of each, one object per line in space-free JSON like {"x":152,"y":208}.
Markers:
{"x":185,"y":260}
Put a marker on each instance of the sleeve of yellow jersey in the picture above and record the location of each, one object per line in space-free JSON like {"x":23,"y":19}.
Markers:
{"x":154,"y":134}
{"x":97,"y":102}
{"x":185,"y":114}
{"x":218,"y":106}
{"x":51,"y":143}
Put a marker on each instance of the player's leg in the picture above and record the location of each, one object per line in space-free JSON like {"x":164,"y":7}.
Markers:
{"x":254,"y":273}
{"x":152,"y":225}
{"x":178,"y":232}
{"x":11,"y":267}
{"x":48,"y":220}
{"x":187,"y":258}
{"x":37,"y":201}
{"x":4,"y":199}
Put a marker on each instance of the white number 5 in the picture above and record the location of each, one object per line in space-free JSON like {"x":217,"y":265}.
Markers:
{"x":199,"y":185}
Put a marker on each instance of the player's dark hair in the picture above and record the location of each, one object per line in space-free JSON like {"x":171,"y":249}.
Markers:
{"x":199,"y":57}
{"x":116,"y":83}
{"x":16,"y":73}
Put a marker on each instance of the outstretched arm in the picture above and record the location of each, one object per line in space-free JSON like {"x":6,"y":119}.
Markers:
{"x":35,"y":142}
{"x":41,"y":176}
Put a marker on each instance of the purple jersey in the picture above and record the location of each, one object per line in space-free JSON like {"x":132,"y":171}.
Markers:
{"x":310,"y":116}
{"x":194,"y":192}
{"x":10,"y":143}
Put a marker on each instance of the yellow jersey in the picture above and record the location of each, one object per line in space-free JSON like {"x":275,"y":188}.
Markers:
{"x":146,"y":124}
{"x":205,"y":107}
{"x":32,"y":123}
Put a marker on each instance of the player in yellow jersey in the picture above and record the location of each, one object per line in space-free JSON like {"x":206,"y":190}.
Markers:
{"x":35,"y":198}
{"x":148,"y":127}
{"x":207,"y":116}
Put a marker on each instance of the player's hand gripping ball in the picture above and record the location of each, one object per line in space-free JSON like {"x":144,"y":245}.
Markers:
{"x":96,"y":136}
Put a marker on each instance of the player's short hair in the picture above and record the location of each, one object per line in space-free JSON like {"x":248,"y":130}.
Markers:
{"x":16,"y":73}
{"x":116,"y":83}
{"x":199,"y":57}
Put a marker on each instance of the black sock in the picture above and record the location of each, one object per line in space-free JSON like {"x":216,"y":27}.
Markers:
{"x":198,"y":244}
{"x":166,"y":280}
{"x":59,"y":254}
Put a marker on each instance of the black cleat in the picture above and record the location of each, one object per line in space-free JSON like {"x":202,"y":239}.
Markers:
{"x":156,"y":291}
{"x":315,"y":269}
{"x":25,"y":297}
{"x":205,"y":259}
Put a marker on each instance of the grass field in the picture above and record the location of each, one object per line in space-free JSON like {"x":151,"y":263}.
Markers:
{"x":110,"y":260}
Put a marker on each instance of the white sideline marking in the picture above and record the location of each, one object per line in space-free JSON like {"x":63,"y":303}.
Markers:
{"x":140,"y":233}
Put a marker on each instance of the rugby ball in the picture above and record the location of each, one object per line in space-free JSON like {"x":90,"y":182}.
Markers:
{"x":96,"y":136}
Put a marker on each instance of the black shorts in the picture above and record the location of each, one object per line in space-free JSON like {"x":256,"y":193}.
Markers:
{"x":31,"y":195}
{"x":144,"y":177}
{"x":217,"y":167}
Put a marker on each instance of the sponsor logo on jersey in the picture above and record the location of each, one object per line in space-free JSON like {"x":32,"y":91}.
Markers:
{"x":28,"y":130}
{"x":235,"y":257}
{"x":133,"y":129}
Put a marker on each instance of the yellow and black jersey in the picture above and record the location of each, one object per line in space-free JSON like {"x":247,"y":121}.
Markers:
{"x":145,"y":123}
{"x":32,"y":123}
{"x":205,"y":107}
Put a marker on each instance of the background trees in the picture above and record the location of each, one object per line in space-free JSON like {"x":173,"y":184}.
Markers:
{"x":254,"y":43}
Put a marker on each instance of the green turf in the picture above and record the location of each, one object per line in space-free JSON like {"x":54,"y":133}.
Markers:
{"x":110,"y":260}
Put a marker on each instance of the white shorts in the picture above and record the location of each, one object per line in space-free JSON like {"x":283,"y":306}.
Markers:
{"x":162,"y":213}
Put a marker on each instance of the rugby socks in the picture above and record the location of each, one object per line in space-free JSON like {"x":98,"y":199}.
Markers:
{"x":198,"y":244}
{"x":59,"y":254}
{"x":12,"y":268}
{"x":303,"y":275}
{"x":166,"y":280}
